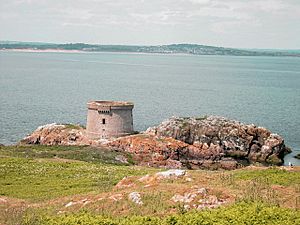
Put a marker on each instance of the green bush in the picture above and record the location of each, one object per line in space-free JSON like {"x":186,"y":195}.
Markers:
{"x":247,"y":213}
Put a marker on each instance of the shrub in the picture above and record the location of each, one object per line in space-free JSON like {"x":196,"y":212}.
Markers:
{"x":248,"y":213}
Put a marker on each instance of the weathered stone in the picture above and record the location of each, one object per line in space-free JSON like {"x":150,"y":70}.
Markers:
{"x":171,"y":173}
{"x":126,"y":182}
{"x":205,"y":143}
{"x":121,"y":159}
{"x":186,"y":198}
{"x":116,"y":197}
{"x":213,"y":139}
{"x":135,"y":197}
{"x":107,"y":119}
{"x":274,"y":160}
{"x":58,"y":134}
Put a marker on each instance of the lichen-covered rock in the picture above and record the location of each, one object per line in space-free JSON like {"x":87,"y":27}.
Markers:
{"x":136,"y":198}
{"x":215,"y":138}
{"x":149,"y":150}
{"x":196,"y":143}
{"x":174,"y":173}
{"x":198,"y":198}
{"x":58,"y":134}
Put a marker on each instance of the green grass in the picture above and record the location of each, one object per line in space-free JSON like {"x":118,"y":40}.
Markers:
{"x":73,"y":126}
{"x":82,"y":153}
{"x":40,"y":173}
{"x":248,"y":213}
{"x":37,"y":172}
{"x":270,"y":176}
{"x":202,"y":117}
{"x":37,"y":180}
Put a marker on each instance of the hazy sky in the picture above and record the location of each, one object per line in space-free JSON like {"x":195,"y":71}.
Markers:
{"x":229,"y":23}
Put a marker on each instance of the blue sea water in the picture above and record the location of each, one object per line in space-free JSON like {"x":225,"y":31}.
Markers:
{"x":40,"y":88}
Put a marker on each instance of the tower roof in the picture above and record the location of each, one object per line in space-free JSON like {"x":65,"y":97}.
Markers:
{"x":109,"y":104}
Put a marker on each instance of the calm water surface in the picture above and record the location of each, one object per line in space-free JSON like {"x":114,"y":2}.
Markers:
{"x":40,"y":88}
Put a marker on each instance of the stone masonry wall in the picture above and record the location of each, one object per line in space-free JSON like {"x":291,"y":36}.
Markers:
{"x":118,"y":121}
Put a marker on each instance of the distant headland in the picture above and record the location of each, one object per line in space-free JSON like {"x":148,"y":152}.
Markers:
{"x":190,"y":49}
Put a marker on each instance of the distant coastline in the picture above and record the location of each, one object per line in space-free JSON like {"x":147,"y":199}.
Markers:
{"x":172,"y":49}
{"x":95,"y":52}
{"x":42,"y":50}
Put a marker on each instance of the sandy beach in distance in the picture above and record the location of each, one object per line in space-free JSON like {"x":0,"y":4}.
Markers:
{"x":41,"y":50}
{"x":80,"y":51}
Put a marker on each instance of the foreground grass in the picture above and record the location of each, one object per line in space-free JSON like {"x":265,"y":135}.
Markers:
{"x":35,"y":173}
{"x":39,"y":181}
{"x":240,"y":213}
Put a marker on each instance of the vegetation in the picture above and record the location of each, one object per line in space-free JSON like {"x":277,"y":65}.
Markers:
{"x":38,"y":182}
{"x":202,"y":118}
{"x":26,"y":175}
{"x":237,"y":214}
{"x":39,"y":179}
{"x":82,"y":153}
{"x":173,"y":48}
{"x":73,"y":126}
{"x":270,"y":176}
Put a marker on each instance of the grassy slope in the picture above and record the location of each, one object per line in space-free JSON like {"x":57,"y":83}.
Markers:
{"x":37,"y":181}
{"x":38,"y":173}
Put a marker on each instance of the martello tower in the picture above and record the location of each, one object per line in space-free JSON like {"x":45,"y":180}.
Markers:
{"x":109,"y":119}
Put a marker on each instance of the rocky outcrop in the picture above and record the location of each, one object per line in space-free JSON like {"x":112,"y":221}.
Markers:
{"x":215,"y":138}
{"x":148,"y":150}
{"x":206,"y":143}
{"x":58,"y":134}
{"x":166,"y":152}
{"x":198,"y":198}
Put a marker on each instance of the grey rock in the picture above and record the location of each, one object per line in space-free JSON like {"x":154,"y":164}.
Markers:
{"x":135,"y":197}
{"x":215,"y":138}
{"x":171,"y":173}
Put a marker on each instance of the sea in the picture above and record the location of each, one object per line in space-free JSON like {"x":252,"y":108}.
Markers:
{"x":37,"y":88}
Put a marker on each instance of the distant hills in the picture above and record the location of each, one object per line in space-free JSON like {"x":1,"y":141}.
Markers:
{"x":193,"y":49}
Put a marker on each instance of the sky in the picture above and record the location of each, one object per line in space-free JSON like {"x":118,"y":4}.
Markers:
{"x":228,"y":23}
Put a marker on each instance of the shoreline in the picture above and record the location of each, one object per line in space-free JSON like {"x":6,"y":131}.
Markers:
{"x":133,"y":53}
{"x":94,"y":52}
{"x":42,"y":51}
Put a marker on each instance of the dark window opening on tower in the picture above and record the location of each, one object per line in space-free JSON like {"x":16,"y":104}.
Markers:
{"x":103,"y":121}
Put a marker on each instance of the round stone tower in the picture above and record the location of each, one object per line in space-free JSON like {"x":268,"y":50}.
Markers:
{"x":109,"y":119}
